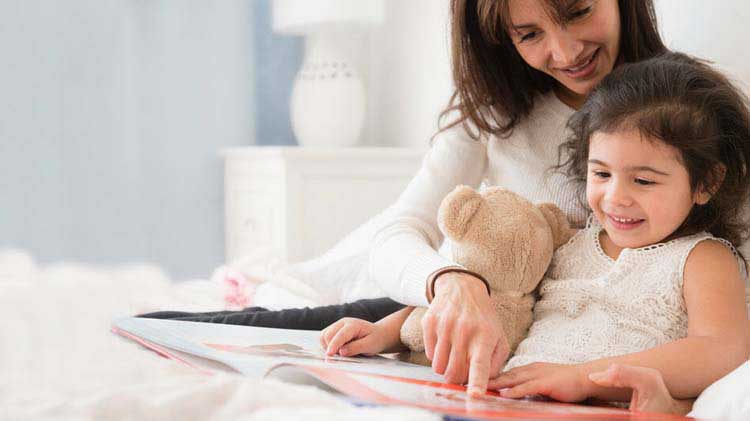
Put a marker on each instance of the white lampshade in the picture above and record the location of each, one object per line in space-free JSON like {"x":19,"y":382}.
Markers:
{"x":300,"y":17}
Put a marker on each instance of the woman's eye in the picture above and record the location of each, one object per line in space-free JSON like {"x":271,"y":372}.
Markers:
{"x":643,"y":182}
{"x":577,"y":14}
{"x":529,"y":36}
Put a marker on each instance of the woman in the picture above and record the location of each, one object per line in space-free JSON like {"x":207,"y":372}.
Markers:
{"x":520,"y":67}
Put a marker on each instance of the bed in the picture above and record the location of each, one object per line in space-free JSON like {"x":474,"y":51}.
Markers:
{"x":59,"y":360}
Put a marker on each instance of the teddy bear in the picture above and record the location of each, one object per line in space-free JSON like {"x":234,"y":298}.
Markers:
{"x":504,"y":238}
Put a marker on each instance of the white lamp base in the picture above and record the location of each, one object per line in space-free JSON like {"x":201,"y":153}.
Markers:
{"x":328,"y":97}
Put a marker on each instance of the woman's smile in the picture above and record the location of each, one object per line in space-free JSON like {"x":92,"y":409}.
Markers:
{"x":583,"y":69}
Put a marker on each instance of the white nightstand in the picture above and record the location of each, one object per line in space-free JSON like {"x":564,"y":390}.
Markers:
{"x":300,"y":201}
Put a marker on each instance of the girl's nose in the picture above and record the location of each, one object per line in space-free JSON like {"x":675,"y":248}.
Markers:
{"x":565,"y":48}
{"x":618,"y":194}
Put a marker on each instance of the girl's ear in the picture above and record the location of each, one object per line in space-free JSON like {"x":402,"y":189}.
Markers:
{"x":711,"y":185}
{"x":701,"y":197}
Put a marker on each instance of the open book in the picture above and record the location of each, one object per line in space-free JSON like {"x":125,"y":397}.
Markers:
{"x":296,"y":356}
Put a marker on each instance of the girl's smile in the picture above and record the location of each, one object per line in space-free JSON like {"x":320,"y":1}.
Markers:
{"x":623,"y":223}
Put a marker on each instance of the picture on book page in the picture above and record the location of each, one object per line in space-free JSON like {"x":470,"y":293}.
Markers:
{"x":285,"y":350}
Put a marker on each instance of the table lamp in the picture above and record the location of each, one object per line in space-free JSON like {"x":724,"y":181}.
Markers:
{"x":328,"y":97}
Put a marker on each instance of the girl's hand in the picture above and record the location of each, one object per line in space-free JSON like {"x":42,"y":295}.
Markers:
{"x":349,"y":336}
{"x":462,"y":335}
{"x":650,"y":394}
{"x":562,"y":382}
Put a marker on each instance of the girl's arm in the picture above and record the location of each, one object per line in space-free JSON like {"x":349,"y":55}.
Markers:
{"x":718,"y":337}
{"x":350,"y":336}
{"x":718,"y":340}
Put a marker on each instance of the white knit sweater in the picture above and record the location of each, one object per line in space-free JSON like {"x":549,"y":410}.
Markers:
{"x":403,"y":254}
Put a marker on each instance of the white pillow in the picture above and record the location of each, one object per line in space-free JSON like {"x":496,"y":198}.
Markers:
{"x":727,"y":399}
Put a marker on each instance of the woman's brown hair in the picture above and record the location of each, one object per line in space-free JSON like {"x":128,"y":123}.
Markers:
{"x":689,"y":106}
{"x":490,"y":75}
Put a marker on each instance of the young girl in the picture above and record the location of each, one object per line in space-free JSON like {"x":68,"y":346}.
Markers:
{"x":662,"y":147}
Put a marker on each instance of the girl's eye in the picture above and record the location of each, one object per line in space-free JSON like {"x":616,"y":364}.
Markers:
{"x":600,"y":174}
{"x":644,"y":182}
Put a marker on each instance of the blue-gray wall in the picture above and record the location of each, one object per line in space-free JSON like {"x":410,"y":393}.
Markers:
{"x":112,"y":117}
{"x":277,"y":59}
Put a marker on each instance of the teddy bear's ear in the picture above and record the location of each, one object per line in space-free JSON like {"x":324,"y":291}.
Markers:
{"x":561,"y":230}
{"x":457,"y":210}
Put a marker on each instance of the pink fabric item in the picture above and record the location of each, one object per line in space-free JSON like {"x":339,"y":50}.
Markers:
{"x":238,"y":288}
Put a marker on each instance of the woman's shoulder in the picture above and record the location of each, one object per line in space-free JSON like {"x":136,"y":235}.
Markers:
{"x":548,"y":104}
{"x":548,"y":111}
{"x":458,"y":133}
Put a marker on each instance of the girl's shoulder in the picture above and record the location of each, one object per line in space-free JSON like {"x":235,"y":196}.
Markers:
{"x":709,"y":257}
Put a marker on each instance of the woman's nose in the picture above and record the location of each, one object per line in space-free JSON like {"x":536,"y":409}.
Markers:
{"x":566,"y":49}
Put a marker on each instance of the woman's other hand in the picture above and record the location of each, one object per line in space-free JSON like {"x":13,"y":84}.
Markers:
{"x":650,"y":393}
{"x":462,"y":334}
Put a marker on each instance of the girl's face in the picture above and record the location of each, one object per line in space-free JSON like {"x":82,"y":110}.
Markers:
{"x":578,"y":54}
{"x":637,"y":188}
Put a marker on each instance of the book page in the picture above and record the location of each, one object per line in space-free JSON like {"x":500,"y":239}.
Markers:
{"x":453,"y":399}
{"x":253,"y":351}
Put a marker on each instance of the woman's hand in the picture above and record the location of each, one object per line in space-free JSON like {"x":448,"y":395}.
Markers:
{"x":462,"y":334}
{"x":650,"y":393}
{"x":562,"y":382}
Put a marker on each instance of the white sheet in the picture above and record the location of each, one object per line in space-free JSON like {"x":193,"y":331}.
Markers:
{"x":59,"y":361}
{"x":727,"y":399}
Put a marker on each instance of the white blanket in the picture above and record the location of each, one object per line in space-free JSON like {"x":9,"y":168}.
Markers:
{"x":59,"y":360}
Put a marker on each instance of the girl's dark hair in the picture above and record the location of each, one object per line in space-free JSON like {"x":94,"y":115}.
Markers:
{"x":490,"y":75}
{"x":686,"y":104}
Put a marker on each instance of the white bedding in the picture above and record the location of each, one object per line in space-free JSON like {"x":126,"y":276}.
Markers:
{"x":59,"y":361}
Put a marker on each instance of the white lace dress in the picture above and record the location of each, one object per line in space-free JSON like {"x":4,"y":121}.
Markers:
{"x":592,"y":306}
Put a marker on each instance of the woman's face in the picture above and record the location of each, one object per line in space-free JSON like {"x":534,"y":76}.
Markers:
{"x":578,"y":53}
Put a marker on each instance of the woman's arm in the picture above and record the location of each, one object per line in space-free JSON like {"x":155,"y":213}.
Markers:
{"x":403,"y":256}
{"x":403,"y":251}
{"x":718,"y":340}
